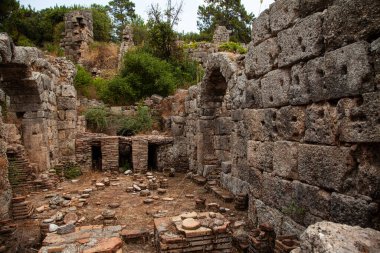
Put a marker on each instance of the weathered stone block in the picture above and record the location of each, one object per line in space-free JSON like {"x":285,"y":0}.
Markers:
{"x":303,"y":41}
{"x":277,"y":192}
{"x":260,"y":155}
{"x":348,"y":21}
{"x":68,"y":91}
{"x":368,"y":177}
{"x":223,"y":125}
{"x":253,"y":96}
{"x":261,"y":58}
{"x":6,"y":48}
{"x":261,"y":28}
{"x":352,"y":211}
{"x":308,"y":7}
{"x":324,"y":166}
{"x":222,"y":142}
{"x":375,"y":52}
{"x":283,"y":225}
{"x":290,"y":123}
{"x":285,"y":159}
{"x":66,"y":103}
{"x":321,"y":124}
{"x":312,"y":199}
{"x":255,"y":180}
{"x":299,"y":92}
{"x":260,"y":124}
{"x":360,"y":118}
{"x":275,"y":86}
{"x":282,"y":14}
{"x":226,"y":167}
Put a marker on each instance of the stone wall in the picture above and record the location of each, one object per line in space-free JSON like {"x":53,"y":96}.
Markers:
{"x":296,"y":124}
{"x":42,"y":102}
{"x":5,"y":187}
{"x":78,"y":33}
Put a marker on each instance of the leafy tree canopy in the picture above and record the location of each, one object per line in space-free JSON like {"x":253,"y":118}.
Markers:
{"x":123,"y":12}
{"x":228,"y":13}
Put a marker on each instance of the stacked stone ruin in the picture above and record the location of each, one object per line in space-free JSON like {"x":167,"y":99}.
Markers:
{"x":42,"y":106}
{"x":78,"y":33}
{"x":295,"y":123}
{"x":126,"y":44}
{"x":221,"y":35}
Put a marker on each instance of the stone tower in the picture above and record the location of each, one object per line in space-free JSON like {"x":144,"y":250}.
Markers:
{"x":78,"y":33}
{"x":221,"y":35}
{"x":127,"y":42}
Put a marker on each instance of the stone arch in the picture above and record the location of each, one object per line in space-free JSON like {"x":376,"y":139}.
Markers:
{"x":212,"y":132}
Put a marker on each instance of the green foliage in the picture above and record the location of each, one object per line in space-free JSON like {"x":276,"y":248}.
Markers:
{"x":228,"y":13}
{"x":96,"y":118}
{"x":123,"y":12}
{"x":141,"y":122}
{"x":233,"y":47}
{"x":161,"y":39}
{"x":72,"y":172}
{"x":102,"y":23}
{"x":148,"y":75}
{"x":82,"y":79}
{"x":54,"y":49}
{"x":140,"y":31}
{"x":118,"y":91}
{"x":294,"y":210}
{"x":197,"y":37}
{"x":6,"y":9}
{"x":45,"y":26}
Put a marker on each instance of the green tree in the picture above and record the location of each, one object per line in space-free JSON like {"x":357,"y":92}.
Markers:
{"x":123,"y":12}
{"x":102,"y":23}
{"x":7,"y":7}
{"x":228,"y":13}
{"x":160,"y":26}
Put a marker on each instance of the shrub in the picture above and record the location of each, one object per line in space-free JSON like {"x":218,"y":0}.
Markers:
{"x":233,"y":47}
{"x":118,"y":91}
{"x":147,"y":74}
{"x":72,"y":172}
{"x":141,"y":122}
{"x":54,"y":49}
{"x":96,"y":118}
{"x":83,"y":78}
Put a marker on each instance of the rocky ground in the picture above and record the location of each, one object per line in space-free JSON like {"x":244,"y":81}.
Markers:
{"x":118,"y":199}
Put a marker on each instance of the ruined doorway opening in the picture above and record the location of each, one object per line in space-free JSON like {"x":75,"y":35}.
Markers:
{"x":152,"y":156}
{"x":125,"y":156}
{"x":96,"y":156}
{"x":213,"y":90}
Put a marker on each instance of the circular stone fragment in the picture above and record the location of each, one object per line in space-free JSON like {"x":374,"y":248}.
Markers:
{"x":70,"y":218}
{"x":190,"y":224}
{"x":108,"y":214}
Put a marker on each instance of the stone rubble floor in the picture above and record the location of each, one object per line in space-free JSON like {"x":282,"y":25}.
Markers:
{"x":132,"y":214}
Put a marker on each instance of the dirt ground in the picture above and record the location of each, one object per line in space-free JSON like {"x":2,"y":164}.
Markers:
{"x":132,"y":211}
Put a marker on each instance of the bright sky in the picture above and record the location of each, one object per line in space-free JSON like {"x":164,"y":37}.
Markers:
{"x":188,"y":21}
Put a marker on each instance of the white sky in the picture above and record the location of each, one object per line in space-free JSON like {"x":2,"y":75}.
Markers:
{"x":188,"y":17}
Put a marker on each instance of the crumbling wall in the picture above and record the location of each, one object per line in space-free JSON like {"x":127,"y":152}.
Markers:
{"x":221,"y":35}
{"x":78,"y":33}
{"x":126,"y":44}
{"x":5,"y":187}
{"x":43,"y":98}
{"x":296,"y":124}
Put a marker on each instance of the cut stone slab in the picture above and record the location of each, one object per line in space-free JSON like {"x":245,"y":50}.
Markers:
{"x":190,"y":224}
{"x":66,"y":229}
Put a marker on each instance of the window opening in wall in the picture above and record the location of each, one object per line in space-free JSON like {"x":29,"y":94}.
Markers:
{"x":152,"y":156}
{"x":96,"y":153}
{"x":125,"y":156}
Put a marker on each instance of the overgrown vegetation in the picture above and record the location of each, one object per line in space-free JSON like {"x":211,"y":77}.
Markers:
{"x":233,"y":47}
{"x":142,"y":121}
{"x":97,"y":118}
{"x":294,"y":210}
{"x":69,"y":171}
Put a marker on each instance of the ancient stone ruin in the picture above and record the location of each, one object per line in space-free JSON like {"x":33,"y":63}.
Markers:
{"x":78,"y":33}
{"x":127,"y":43}
{"x":221,"y":35}
{"x":295,"y":122}
{"x":268,"y":152}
